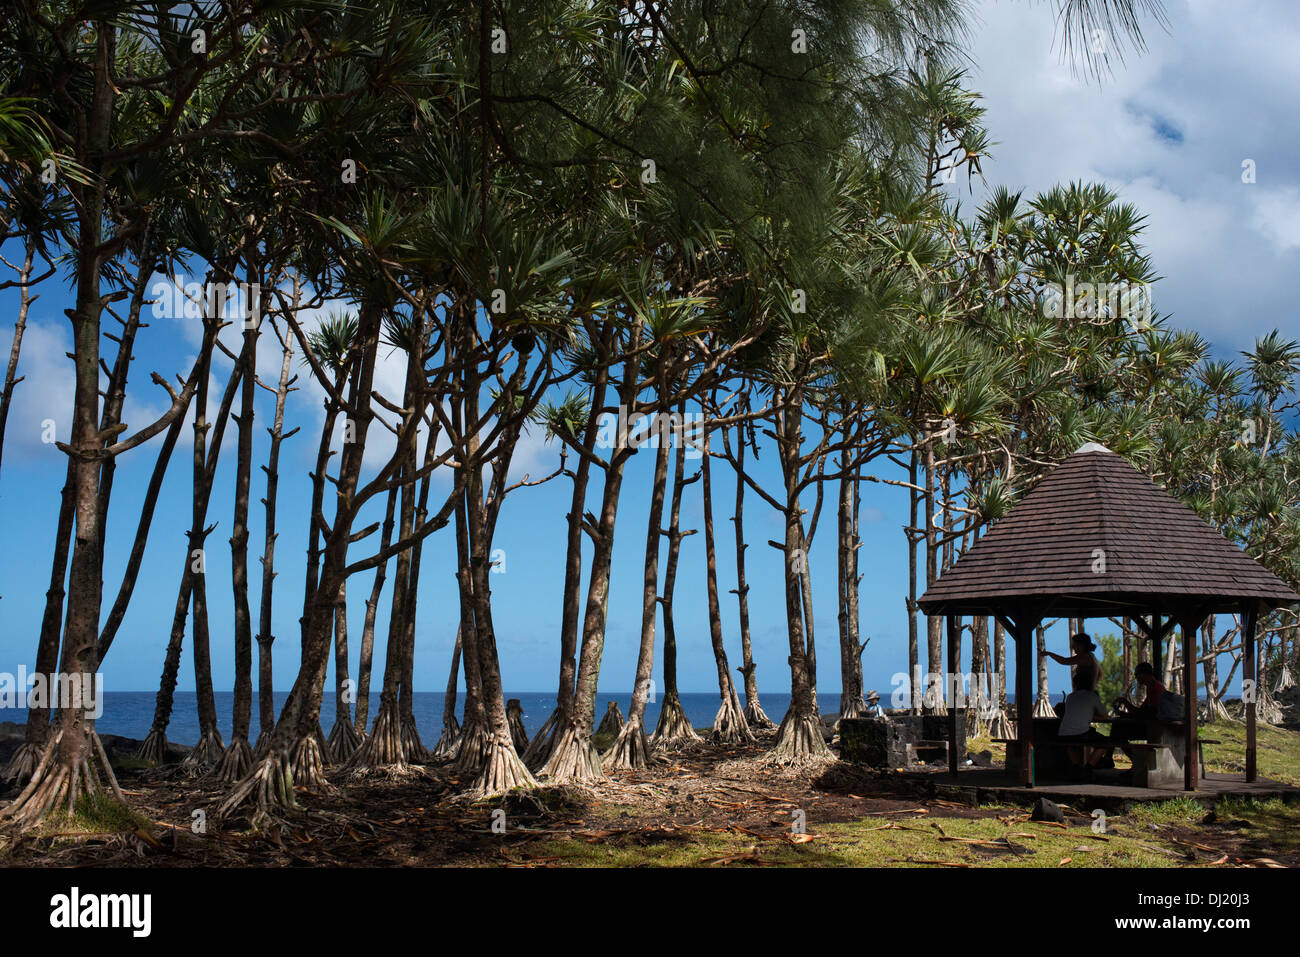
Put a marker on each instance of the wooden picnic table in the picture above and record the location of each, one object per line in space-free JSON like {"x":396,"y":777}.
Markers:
{"x":1157,"y":749}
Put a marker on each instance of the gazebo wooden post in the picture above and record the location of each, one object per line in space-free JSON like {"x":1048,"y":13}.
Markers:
{"x":956,"y":694}
{"x":1024,"y":636}
{"x":1191,"y":763}
{"x":1158,"y":646}
{"x":1249,"y":622}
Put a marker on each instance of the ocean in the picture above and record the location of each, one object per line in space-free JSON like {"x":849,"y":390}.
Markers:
{"x":130,"y":713}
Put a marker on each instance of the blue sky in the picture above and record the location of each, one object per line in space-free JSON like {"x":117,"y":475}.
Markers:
{"x":1170,"y":131}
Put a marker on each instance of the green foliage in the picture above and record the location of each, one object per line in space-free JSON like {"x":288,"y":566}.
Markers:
{"x":1112,"y":669}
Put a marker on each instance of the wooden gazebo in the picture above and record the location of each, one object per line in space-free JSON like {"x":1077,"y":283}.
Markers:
{"x":1096,"y":538}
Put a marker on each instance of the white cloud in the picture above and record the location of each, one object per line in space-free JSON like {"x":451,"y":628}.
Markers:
{"x":1169,"y":131}
{"x":1277,"y":217}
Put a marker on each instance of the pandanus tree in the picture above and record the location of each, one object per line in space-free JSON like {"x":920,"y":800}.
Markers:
{"x":838,"y":290}
{"x":333,"y":342}
{"x":362,"y":232}
{"x":92,"y":129}
{"x":570,"y":421}
{"x":575,"y":421}
{"x":265,"y":636}
{"x":573,"y":757}
{"x":745,"y":439}
{"x":731,"y":723}
{"x":665,"y":319}
{"x":524,"y":270}
{"x":674,"y":726}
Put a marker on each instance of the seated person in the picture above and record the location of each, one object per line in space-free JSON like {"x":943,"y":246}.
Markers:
{"x":1122,"y":732}
{"x":1145,"y":675}
{"x":1088,"y":748}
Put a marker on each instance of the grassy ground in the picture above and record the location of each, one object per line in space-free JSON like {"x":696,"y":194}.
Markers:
{"x":1165,"y":835}
{"x":1277,"y":750}
{"x":707,"y":806}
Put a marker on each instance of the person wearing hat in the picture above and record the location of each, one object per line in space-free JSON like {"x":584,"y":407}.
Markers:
{"x":873,"y":705}
{"x":1087,"y":670}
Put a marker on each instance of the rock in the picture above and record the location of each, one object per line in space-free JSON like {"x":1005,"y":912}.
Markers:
{"x":982,"y":760}
{"x":8,"y":729}
{"x":1045,"y":810}
{"x":1210,"y":818}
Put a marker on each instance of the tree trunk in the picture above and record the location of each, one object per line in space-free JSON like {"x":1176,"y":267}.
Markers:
{"x":471,"y":753}
{"x":754,"y":713}
{"x":852,"y":704}
{"x":265,"y":639}
{"x":343,"y":739}
{"x":539,"y":751}
{"x":368,"y":628}
{"x":385,"y":746}
{"x":415,"y":749}
{"x":631,"y":749}
{"x":1214,"y":709}
{"x":502,"y":770}
{"x":573,"y":758}
{"x":207,"y":753}
{"x":934,"y":694}
{"x":73,"y":764}
{"x":25,"y":760}
{"x":1043,"y":706}
{"x":729,"y":724}
{"x":239,"y":755}
{"x":449,"y":740}
{"x":674,"y":727}
{"x":800,"y":733}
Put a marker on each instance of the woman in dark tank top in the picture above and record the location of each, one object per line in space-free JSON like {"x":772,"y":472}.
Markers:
{"x":1087,"y":670}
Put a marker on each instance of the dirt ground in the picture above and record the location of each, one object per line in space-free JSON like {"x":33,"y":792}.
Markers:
{"x":705,"y":797}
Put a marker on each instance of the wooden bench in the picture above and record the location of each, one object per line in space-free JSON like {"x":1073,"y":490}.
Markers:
{"x":1200,"y":751}
{"x":1154,"y":765}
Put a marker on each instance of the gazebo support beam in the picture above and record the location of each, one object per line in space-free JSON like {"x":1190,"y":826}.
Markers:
{"x":1155,"y":631}
{"x":1022,"y":631}
{"x":953,"y":626}
{"x":1190,"y":623}
{"x":1249,"y":624}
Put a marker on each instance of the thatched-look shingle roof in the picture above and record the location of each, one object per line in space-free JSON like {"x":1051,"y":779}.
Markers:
{"x":1097,"y":537}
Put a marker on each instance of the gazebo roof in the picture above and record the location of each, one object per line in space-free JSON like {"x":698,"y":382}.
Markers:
{"x":1096,"y":537}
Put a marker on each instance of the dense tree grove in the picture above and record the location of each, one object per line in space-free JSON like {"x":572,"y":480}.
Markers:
{"x":635,"y":227}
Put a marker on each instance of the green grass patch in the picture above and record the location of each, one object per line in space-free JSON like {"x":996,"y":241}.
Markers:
{"x":96,"y":814}
{"x":872,"y":842}
{"x":984,"y":743}
{"x":1277,"y":750}
{"x":1179,"y":810}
